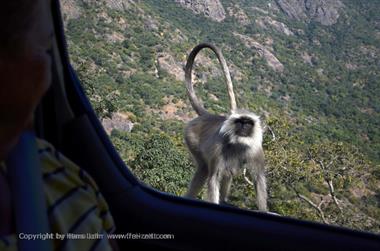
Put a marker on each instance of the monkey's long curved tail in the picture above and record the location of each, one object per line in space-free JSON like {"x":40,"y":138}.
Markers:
{"x":195,"y":102}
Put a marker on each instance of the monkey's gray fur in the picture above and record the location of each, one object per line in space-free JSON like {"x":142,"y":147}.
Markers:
{"x":222,"y":146}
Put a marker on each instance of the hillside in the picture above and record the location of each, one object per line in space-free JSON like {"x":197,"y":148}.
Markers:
{"x":309,"y":68}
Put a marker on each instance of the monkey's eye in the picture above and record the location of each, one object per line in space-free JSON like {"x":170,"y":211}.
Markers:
{"x":250,"y":122}
{"x":244,"y":121}
{"x":247,"y":122}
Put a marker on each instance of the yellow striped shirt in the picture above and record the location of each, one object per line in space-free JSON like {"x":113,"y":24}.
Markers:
{"x":75,"y":206}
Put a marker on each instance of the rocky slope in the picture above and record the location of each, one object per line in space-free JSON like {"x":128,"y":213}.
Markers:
{"x":325,"y":12}
{"x":263,"y":51}
{"x":210,"y":8}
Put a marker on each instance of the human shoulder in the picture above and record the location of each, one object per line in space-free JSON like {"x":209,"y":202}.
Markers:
{"x":54,"y":163}
{"x":75,"y":204}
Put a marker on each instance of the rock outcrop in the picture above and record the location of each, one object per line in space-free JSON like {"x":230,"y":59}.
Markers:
{"x":307,"y":58}
{"x":167,"y":63}
{"x":210,"y":8}
{"x":268,"y":22}
{"x":119,"y":121}
{"x":325,"y":12}
{"x":239,"y":14}
{"x":70,"y":9}
{"x":263,"y":51}
{"x":119,"y":4}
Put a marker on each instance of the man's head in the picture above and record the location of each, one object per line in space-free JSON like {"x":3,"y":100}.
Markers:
{"x":25,"y":38}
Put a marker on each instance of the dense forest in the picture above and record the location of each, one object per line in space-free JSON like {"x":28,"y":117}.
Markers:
{"x":312,"y":76}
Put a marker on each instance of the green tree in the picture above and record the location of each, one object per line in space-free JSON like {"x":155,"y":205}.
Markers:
{"x":103,"y":99}
{"x":162,"y":165}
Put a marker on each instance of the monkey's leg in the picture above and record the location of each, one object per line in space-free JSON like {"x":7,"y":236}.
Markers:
{"x":200,"y":176}
{"x":225,"y":187}
{"x":213,"y":189}
{"x":261,"y":189}
{"x":199,"y":179}
{"x":214,"y":181}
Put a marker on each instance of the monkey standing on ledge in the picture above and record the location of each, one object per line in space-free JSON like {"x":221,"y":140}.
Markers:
{"x":222,"y":146}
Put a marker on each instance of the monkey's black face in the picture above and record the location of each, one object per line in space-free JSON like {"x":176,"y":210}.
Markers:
{"x":244,"y":126}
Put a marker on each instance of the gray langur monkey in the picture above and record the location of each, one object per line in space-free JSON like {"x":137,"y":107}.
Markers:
{"x":222,"y":146}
